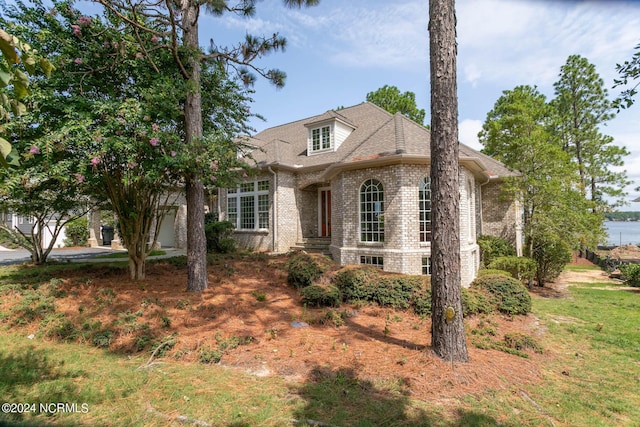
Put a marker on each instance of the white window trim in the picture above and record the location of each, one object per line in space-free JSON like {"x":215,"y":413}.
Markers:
{"x":381,"y":229}
{"x":332,"y":138}
{"x":236,"y":195}
{"x":420,"y":211}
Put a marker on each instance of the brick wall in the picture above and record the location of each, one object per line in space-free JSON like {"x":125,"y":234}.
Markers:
{"x":500,"y":215}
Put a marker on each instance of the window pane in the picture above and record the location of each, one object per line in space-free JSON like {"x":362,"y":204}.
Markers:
{"x":247,"y":216}
{"x":315,"y":139}
{"x":424,"y":206}
{"x":232,"y":210}
{"x":263,"y":211}
{"x":326,"y":137}
{"x":371,"y":209}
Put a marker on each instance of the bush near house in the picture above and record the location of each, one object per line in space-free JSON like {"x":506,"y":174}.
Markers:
{"x":303,"y":270}
{"x":507,"y":294}
{"x":218,"y":234}
{"x":551,"y":254}
{"x":497,"y":291}
{"x":492,"y":247}
{"x":77,"y":232}
{"x":521,"y":268}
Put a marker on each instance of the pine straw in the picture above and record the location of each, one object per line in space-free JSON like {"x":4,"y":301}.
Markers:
{"x":389,"y":349}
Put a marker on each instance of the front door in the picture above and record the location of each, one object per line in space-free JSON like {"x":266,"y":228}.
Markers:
{"x":324,"y":214}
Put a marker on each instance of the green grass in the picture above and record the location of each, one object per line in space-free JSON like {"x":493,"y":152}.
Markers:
{"x":594,"y":377}
{"x":117,"y":392}
{"x":581,"y":267}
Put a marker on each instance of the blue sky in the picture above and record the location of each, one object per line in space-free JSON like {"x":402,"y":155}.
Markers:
{"x":340,"y":50}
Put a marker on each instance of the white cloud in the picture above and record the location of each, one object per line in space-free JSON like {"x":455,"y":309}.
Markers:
{"x":527,"y":42}
{"x":468,"y":133}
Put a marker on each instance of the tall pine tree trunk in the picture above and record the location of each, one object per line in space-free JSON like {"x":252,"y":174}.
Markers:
{"x":197,"y":279}
{"x":447,"y":330}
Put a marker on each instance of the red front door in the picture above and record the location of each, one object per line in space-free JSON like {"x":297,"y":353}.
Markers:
{"x":325,"y":213}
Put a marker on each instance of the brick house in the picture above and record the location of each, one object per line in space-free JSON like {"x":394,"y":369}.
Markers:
{"x":356,"y":181}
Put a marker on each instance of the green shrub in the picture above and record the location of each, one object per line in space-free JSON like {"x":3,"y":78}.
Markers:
{"x":333,"y":318}
{"x":476,"y":301}
{"x":219,"y":236}
{"x":321,"y":296}
{"x":551,"y":255}
{"x":303,"y":270}
{"x":357,"y":284}
{"x":492,"y":247}
{"x":488,"y":271}
{"x":631,"y":274}
{"x":64,"y":330}
{"x":521,"y":268}
{"x":102,"y":339}
{"x":208,"y":355}
{"x":422,"y":302}
{"x":520,"y":341}
{"x":77,"y":232}
{"x":397,"y":291}
{"x":509,"y":295}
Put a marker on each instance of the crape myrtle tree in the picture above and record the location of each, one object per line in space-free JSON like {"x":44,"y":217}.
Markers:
{"x":18,"y":60}
{"x":124,"y":117}
{"x":447,"y":330}
{"x":581,"y":107}
{"x":45,"y":191}
{"x":556,"y":217}
{"x":177,"y":22}
{"x":391,"y":99}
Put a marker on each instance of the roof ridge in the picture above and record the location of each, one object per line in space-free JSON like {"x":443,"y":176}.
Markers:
{"x":366,"y":140}
{"x":401,"y":146}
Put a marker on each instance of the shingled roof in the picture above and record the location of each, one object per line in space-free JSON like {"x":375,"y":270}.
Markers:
{"x":378,"y":137}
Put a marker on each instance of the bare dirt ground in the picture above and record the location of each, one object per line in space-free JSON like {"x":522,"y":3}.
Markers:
{"x":249,"y":299}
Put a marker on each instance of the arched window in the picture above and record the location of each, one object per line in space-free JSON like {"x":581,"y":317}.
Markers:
{"x":371,"y":211}
{"x":424,"y":199}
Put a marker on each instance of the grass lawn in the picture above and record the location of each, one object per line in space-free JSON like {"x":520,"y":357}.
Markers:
{"x":589,"y":375}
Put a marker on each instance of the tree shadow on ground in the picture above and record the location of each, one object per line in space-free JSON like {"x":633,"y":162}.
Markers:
{"x":30,"y":370}
{"x":338,"y":398}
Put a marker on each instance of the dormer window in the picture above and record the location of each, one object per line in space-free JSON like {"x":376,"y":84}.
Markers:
{"x":321,"y":139}
{"x":327,"y":133}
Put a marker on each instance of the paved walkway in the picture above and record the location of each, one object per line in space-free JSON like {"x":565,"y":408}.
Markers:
{"x":20,"y":256}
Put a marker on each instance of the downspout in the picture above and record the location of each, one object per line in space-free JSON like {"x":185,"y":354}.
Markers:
{"x":482,"y":184}
{"x":275,"y":210}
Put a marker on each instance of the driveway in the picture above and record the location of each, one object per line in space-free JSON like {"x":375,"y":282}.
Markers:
{"x":19,"y":256}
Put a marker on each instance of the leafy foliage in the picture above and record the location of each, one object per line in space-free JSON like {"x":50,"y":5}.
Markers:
{"x":551,"y":255}
{"x":521,"y":131}
{"x":303,"y":270}
{"x":629,"y":72}
{"x":391,"y":99}
{"x":509,"y":295}
{"x":492,"y":247}
{"x":219,"y":236}
{"x":77,"y":232}
{"x":631,"y":274}
{"x":521,"y":268}
{"x":317,"y":295}
{"x":581,"y":108}
{"x":17,"y":57}
{"x":397,"y":291}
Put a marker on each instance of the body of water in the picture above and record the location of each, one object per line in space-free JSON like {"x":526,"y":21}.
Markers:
{"x":624,"y":233}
